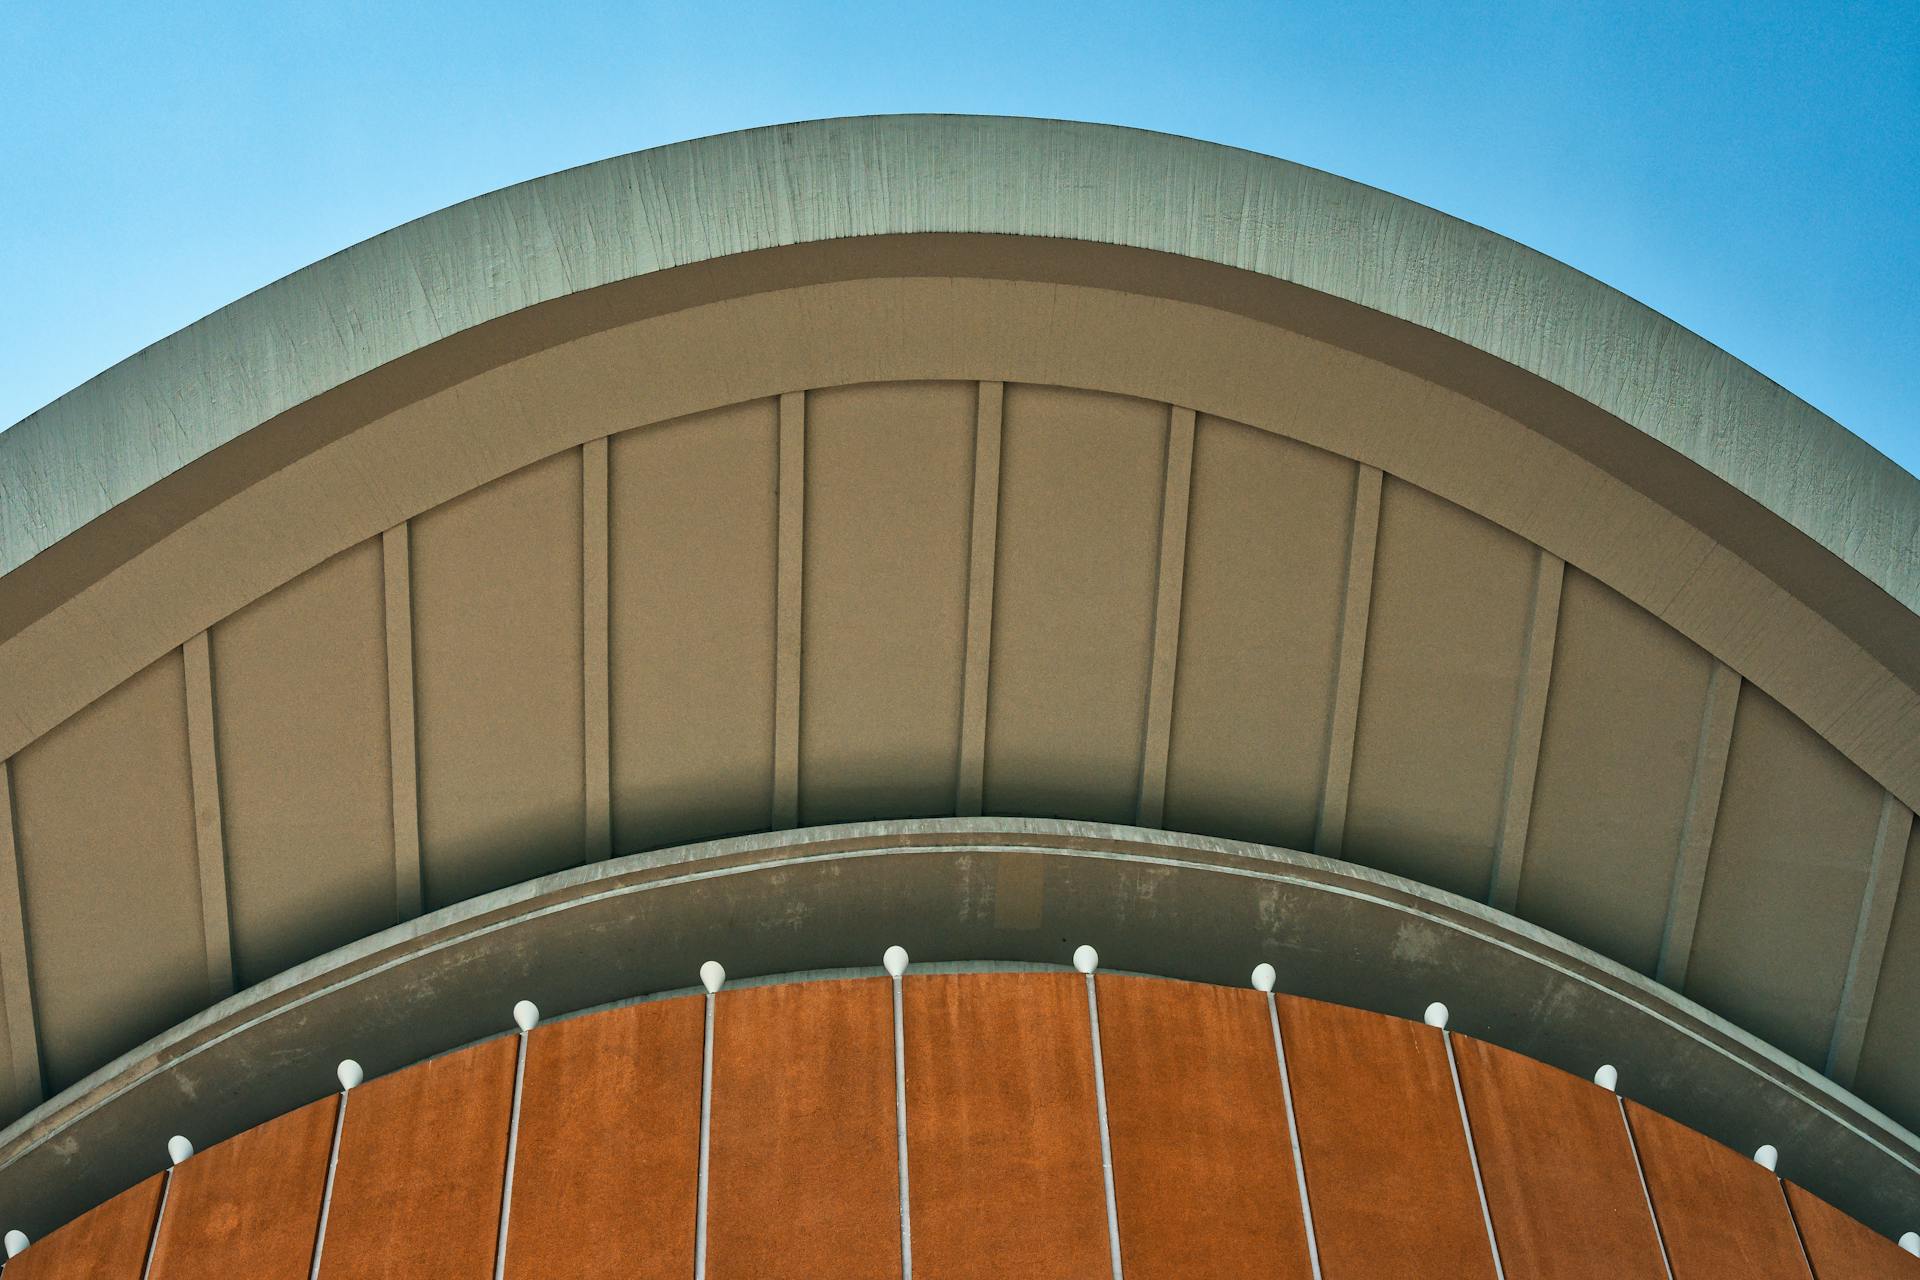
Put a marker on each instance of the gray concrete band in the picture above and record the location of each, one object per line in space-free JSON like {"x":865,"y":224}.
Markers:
{"x":1151,"y":902}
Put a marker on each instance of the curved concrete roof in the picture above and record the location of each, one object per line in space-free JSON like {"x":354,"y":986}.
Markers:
{"x":823,"y":180}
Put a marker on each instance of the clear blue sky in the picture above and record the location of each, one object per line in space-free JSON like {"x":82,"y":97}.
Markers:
{"x":1751,"y":170}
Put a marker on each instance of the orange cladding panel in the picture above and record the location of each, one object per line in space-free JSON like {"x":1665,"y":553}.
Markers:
{"x":1558,"y":1167}
{"x":1003,"y":1131}
{"x":1842,"y":1249}
{"x":423,"y":1157}
{"x":250,"y":1206}
{"x":1202,"y":1163}
{"x":1721,"y":1214}
{"x":804,"y":1178}
{"x":605,"y":1176}
{"x":1388,"y":1173}
{"x":107,"y":1243}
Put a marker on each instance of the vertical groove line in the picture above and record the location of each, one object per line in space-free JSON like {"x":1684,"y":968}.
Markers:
{"x":402,"y":743}
{"x":983,"y":539}
{"x":1473,"y":1155}
{"x":900,"y":1125}
{"x":23,"y":1033}
{"x":789,"y":583}
{"x":1806,"y":1259}
{"x":1106,"y":1140}
{"x":209,"y":843}
{"x":1174,"y":502}
{"x":1696,"y":831}
{"x":513,"y":1149}
{"x":1884,"y":872}
{"x":1633,"y":1145}
{"x":326,"y":1193}
{"x":1293,"y":1135}
{"x":1330,"y":826}
{"x":1529,"y":724}
{"x":159,"y":1217}
{"x":706,"y":1138}
{"x":596,"y":736}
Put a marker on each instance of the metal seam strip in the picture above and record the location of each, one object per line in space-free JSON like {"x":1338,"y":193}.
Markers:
{"x":1633,"y":1145}
{"x":159,"y":1216}
{"x":706,"y":1136}
{"x":900,"y":1125}
{"x":1806,"y":1259}
{"x":1473,"y":1156}
{"x":1293,"y":1136}
{"x":513,"y":1149}
{"x":326,"y":1194}
{"x":1106,"y":1141}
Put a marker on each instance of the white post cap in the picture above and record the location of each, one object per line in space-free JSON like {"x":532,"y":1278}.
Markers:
{"x":16,"y":1241}
{"x":1263,"y":977}
{"x":1437,"y":1015}
{"x":895,"y":960}
{"x":712,"y":975}
{"x":1085,"y":958}
{"x":526,"y":1015}
{"x":350,"y":1074}
{"x":1910,"y":1242}
{"x":178,"y":1149}
{"x":1767,"y":1157}
{"x":1608,"y":1078}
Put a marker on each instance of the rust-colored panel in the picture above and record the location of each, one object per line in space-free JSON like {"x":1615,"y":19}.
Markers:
{"x":108,"y":1243}
{"x":1387,"y":1167}
{"x":1003,"y":1131}
{"x":423,"y":1156}
{"x":609,"y":1135}
{"x":1202,"y":1166}
{"x":1720,"y":1213}
{"x":1557,"y":1165}
{"x":804,"y":1179}
{"x":1842,"y":1249}
{"x":250,"y":1206}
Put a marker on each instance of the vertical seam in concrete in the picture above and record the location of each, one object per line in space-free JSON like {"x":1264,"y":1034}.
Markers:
{"x":159,"y":1216}
{"x":1106,"y":1140}
{"x":1529,"y":720}
{"x":596,"y":736}
{"x":1633,"y":1145}
{"x":900,"y":1127}
{"x":1330,"y":830}
{"x":1696,"y":832}
{"x":787,"y":615}
{"x":210,"y":852}
{"x":326,"y":1192}
{"x":513,"y":1149}
{"x":984,"y":539}
{"x":1786,"y":1201}
{"x":1870,"y":939}
{"x":397,"y":572}
{"x":706,"y":1142}
{"x":16,"y":975}
{"x":1166,"y":617}
{"x":1293,"y":1135}
{"x":1473,"y":1155}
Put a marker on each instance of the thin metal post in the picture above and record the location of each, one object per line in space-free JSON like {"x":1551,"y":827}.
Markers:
{"x":1473,"y":1156}
{"x":1293,"y":1135}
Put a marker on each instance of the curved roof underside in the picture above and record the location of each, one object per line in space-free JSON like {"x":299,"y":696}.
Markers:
{"x":910,"y":468}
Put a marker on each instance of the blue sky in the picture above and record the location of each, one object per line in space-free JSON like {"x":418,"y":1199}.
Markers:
{"x":1751,"y":170}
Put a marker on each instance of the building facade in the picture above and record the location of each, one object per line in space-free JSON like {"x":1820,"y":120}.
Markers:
{"x":989,"y":538}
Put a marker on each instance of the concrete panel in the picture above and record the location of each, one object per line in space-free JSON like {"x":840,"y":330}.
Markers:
{"x":804,"y":1173}
{"x":103,"y":807}
{"x":889,"y":473}
{"x":1720,"y":1213}
{"x":1840,"y":1248}
{"x":691,"y":629}
{"x":1448,"y":629}
{"x":1003,"y":1136}
{"x":1784,"y":881}
{"x":1266,"y":554}
{"x":609,"y":1134}
{"x":249,"y":1206}
{"x":1558,"y":1168}
{"x":1623,"y":719}
{"x":1392,"y":1189}
{"x":386,"y":1221}
{"x":1202,"y":1162}
{"x":107,"y":1243}
{"x":300,"y":710}
{"x":1886,"y":1072}
{"x":497,"y":679}
{"x":1081,"y":481}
